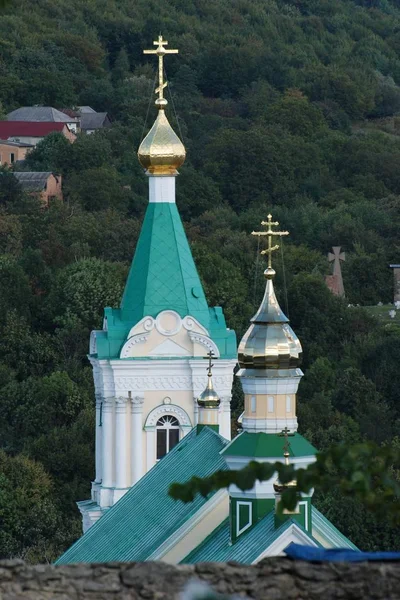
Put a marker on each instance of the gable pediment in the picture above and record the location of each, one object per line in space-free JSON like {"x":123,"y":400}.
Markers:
{"x":169,"y":348}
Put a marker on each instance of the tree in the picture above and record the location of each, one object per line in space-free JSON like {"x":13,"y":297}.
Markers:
{"x":30,"y":520}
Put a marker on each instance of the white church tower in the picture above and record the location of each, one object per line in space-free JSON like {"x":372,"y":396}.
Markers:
{"x":148,"y":365}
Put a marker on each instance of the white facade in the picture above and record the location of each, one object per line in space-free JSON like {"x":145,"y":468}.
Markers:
{"x":160,"y":373}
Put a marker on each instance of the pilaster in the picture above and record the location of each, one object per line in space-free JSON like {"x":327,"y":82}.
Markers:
{"x":105,"y":491}
{"x":137,"y":466}
{"x":121,"y":444}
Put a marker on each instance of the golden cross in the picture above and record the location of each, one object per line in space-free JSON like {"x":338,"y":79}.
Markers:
{"x":210,"y":356}
{"x":161,"y":51}
{"x":286,"y":447}
{"x":270,"y":235}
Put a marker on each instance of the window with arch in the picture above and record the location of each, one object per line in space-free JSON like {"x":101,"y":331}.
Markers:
{"x":167,"y":434}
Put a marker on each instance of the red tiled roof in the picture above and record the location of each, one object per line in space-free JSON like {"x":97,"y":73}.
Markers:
{"x":26,"y":128}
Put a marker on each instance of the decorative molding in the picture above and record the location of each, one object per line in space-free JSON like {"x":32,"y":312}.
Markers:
{"x":203,"y":340}
{"x":108,"y":404}
{"x":174,"y":315}
{"x":137,"y":404}
{"x":167,"y":409}
{"x":153,"y":382}
{"x":140,"y":338}
{"x":120,"y":404}
{"x":249,"y":523}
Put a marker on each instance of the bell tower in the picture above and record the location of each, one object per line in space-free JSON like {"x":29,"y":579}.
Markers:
{"x":148,"y":358}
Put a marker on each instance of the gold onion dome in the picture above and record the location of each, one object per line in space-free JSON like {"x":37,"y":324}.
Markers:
{"x":269,"y":342}
{"x":209,"y":398}
{"x":161,"y":152}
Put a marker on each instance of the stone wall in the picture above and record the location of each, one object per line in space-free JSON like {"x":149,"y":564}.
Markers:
{"x":271,"y":579}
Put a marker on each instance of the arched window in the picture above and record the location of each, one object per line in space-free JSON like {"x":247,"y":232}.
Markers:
{"x":167,"y":435}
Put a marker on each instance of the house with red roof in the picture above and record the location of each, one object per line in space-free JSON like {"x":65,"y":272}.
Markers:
{"x":32,"y":133}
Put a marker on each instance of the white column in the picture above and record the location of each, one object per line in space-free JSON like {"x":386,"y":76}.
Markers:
{"x":150,"y":448}
{"x":162,"y":189}
{"x":107,"y":443}
{"x":225,"y":417}
{"x":121,"y":458}
{"x":136,"y":438}
{"x":99,"y":432}
{"x":195,"y":411}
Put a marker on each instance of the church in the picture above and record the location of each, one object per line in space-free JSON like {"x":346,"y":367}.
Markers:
{"x":163,"y":414}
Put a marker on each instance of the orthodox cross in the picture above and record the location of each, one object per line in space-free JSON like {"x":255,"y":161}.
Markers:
{"x":269,"y":233}
{"x":286,"y":447}
{"x":336,"y":256}
{"x":161,"y":51}
{"x":210,"y":356}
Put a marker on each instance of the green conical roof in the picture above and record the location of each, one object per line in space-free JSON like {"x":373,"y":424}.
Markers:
{"x":163,"y":274}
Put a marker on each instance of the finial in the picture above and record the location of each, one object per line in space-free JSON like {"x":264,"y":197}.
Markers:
{"x":279,"y":487}
{"x":269,"y":272}
{"x":161,"y":51}
{"x":209,"y":398}
{"x":286,"y":447}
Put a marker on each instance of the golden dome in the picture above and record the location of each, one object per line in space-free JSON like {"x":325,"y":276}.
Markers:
{"x":209,"y":398}
{"x":161,"y":152}
{"x":269,"y":342}
{"x":281,"y":487}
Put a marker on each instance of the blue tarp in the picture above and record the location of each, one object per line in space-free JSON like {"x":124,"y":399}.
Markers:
{"x":313,"y":554}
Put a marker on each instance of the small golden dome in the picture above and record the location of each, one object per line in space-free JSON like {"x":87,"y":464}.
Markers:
{"x":161,"y":152}
{"x":209,"y":398}
{"x":269,"y":342}
{"x":281,"y":487}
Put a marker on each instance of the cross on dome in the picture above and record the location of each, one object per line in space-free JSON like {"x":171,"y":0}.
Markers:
{"x":161,"y":51}
{"x":270,"y":234}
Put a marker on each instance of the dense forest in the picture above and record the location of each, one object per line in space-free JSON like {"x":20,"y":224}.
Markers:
{"x":285,"y":106}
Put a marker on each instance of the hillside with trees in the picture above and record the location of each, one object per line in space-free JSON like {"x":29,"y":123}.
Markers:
{"x":284,"y":106}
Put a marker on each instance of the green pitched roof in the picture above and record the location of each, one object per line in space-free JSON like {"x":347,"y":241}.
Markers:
{"x":264,"y":445}
{"x":323,"y":527}
{"x":163,"y":274}
{"x":146,"y":516}
{"x":248,"y":547}
{"x":217,"y":546}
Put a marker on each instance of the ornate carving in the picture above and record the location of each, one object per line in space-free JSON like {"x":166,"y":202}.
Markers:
{"x":171,"y":382}
{"x":168,"y":322}
{"x":136,"y":339}
{"x":148,"y":323}
{"x":168,"y":409}
{"x":137,"y":404}
{"x":205,"y":341}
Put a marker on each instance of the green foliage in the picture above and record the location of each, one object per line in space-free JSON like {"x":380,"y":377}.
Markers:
{"x":285,"y":106}
{"x":360,"y":472}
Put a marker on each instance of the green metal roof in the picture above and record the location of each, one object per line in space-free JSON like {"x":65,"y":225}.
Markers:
{"x":247,"y":548}
{"x":146,"y":516}
{"x":323,"y":527}
{"x":163,"y":274}
{"x":264,"y":445}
